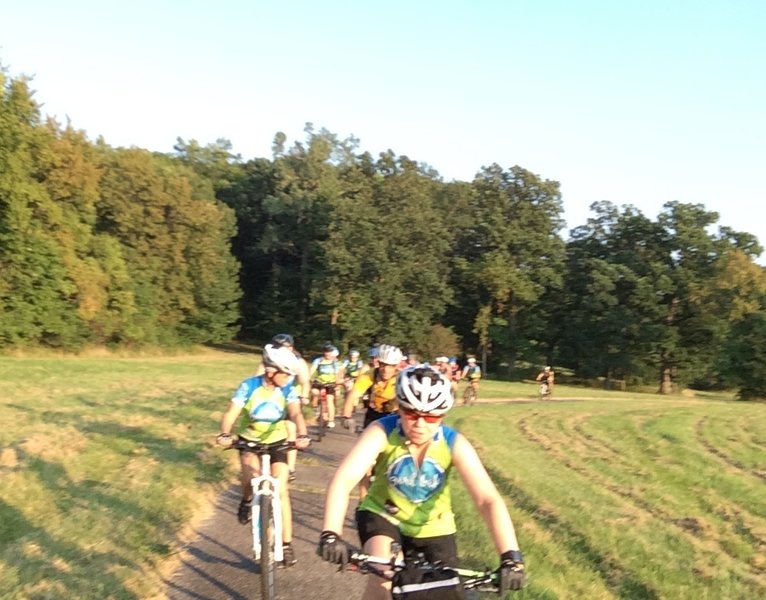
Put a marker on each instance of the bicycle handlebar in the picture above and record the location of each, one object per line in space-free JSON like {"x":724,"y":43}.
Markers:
{"x":257,"y":447}
{"x":386,"y":568}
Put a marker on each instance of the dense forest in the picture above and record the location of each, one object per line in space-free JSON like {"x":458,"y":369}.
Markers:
{"x":116,"y":246}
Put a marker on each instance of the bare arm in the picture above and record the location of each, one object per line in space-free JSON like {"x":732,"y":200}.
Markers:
{"x":296,"y":416}
{"x":485,"y":495}
{"x":352,"y":398}
{"x":304,"y":379}
{"x":349,"y":473}
{"x":230,"y":417}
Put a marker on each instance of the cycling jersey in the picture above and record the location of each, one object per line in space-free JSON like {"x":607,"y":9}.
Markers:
{"x":353,"y":368}
{"x":325,"y":371}
{"x":265,"y":409}
{"x":414,"y":498}
{"x":382,"y":393}
{"x":473,"y":372}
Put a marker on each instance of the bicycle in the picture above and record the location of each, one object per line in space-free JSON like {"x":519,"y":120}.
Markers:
{"x":266,"y":512}
{"x":441,"y":576}
{"x":469,"y":395}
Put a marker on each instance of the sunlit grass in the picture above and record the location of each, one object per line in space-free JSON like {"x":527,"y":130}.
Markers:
{"x":624,"y":498}
{"x":104,"y":460}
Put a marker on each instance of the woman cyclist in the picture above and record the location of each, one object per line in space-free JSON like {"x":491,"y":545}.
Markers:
{"x":326,"y":374}
{"x":409,"y":501}
{"x":266,"y":401}
{"x":379,"y":383}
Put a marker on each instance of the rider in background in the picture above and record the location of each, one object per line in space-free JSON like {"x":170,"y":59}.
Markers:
{"x":441,"y":364}
{"x":380,"y":384}
{"x":409,"y":501}
{"x":352,"y":368}
{"x":326,"y":373}
{"x":472,"y":372}
{"x":266,"y":401}
{"x":546,"y":376}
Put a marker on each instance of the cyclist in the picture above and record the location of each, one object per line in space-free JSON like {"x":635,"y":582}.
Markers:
{"x":380,"y":383}
{"x":372,"y":356}
{"x":456,"y":373}
{"x":472,"y":372}
{"x":409,"y":501}
{"x":546,"y":376}
{"x":352,"y":368}
{"x":441,"y":364}
{"x":326,"y":372}
{"x":304,"y":384}
{"x":266,"y":401}
{"x":412,"y":359}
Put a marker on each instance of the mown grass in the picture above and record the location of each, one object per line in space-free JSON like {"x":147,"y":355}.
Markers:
{"x":103,"y":462}
{"x":627,"y":498}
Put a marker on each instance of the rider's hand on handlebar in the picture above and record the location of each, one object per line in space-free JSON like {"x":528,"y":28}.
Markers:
{"x":512,"y":573}
{"x":332,"y":548}
{"x":224,"y":439}
{"x":302,"y":442}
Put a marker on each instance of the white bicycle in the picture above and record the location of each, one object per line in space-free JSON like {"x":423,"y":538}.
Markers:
{"x":266,"y":512}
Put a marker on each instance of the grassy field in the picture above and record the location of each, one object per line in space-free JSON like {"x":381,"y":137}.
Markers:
{"x":104,"y":461}
{"x":631,"y":497}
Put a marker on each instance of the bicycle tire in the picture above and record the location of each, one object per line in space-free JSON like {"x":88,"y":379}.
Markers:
{"x":268,"y":567}
{"x":469,"y":395}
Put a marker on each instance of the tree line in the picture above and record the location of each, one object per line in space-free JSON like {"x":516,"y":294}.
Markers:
{"x":125,"y":246}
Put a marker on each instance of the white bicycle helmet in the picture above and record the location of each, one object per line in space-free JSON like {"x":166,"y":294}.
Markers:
{"x":424,"y":390}
{"x":389,"y":355}
{"x":353,"y":354}
{"x":280,"y":358}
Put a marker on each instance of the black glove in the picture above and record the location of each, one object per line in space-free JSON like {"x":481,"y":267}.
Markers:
{"x":512,"y":574}
{"x":332,"y":548}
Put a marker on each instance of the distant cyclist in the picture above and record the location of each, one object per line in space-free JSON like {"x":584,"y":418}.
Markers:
{"x":380,"y":384}
{"x":266,"y":401}
{"x":353,"y":366}
{"x":441,"y":364}
{"x":546,"y":377}
{"x":472,"y":372}
{"x":326,"y":374}
{"x":409,"y":501}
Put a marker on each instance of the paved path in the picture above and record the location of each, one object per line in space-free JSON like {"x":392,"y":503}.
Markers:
{"x":217,"y":564}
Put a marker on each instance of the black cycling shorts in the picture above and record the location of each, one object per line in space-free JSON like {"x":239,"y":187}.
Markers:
{"x":373,"y":415}
{"x":329,"y":387}
{"x":277,"y":456}
{"x":437,"y":548}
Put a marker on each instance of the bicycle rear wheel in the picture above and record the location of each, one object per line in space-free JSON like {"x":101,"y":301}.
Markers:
{"x":469,"y":396}
{"x":268,"y":567}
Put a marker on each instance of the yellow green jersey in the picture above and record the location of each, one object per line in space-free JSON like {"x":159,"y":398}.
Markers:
{"x":414,"y":498}
{"x":264,"y":409}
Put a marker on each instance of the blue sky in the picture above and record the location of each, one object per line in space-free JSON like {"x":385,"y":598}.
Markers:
{"x":633,"y":102}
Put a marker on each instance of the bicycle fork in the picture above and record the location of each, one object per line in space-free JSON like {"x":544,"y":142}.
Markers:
{"x":266,"y":485}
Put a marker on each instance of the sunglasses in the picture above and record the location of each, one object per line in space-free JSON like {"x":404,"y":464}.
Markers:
{"x":414,"y":415}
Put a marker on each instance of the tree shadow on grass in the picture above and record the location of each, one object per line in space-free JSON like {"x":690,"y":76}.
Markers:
{"x":619,"y":579}
{"x":56,"y":565}
{"x":148,"y":528}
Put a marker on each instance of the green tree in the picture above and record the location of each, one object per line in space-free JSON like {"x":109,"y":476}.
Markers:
{"x":507,"y":257}
{"x":35,"y":288}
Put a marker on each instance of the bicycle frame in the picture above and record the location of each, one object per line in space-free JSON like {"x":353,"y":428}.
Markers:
{"x":271,"y":489}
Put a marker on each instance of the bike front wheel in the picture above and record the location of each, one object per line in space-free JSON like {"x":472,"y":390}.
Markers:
{"x":268,"y":567}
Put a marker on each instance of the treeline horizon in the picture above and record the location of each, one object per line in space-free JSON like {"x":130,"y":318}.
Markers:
{"x":127,"y":247}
